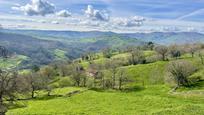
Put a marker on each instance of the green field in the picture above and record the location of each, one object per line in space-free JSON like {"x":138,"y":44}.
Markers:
{"x":12,"y":62}
{"x":153,"y":99}
{"x":149,"y":94}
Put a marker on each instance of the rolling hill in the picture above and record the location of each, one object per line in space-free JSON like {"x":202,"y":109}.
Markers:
{"x":44,"y":48}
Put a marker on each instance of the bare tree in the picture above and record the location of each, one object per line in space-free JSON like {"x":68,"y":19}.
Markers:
{"x":162,"y":50}
{"x":122,"y":78}
{"x":191,"y":48}
{"x":180,"y":72}
{"x":175,"y":51}
{"x":8,"y":88}
{"x":96,"y":71}
{"x":137,"y":57}
{"x":48,"y":74}
{"x":34,"y":81}
{"x":201,"y":56}
{"x":77,"y":72}
{"x":113,"y":65}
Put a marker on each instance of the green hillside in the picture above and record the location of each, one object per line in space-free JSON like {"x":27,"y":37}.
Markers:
{"x":150,"y":100}
{"x":12,"y":62}
{"x":148,"y":94}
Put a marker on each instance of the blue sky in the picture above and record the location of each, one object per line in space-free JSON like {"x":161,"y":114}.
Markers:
{"x":179,"y":11}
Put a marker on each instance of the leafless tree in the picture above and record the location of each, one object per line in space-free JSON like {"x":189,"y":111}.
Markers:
{"x":191,"y":48}
{"x":201,"y":56}
{"x":175,"y":51}
{"x":180,"y":71}
{"x":8,"y":87}
{"x":113,"y":65}
{"x":162,"y":50}
{"x":137,"y":57}
{"x":77,"y":72}
{"x":122,"y":78}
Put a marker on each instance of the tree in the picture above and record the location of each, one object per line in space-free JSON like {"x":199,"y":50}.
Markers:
{"x":122,"y":78}
{"x":107,"y":53}
{"x":162,"y":50}
{"x":150,"y":45}
{"x":201,"y":56}
{"x":96,"y":71}
{"x":35,"y":68}
{"x":174,"y":51}
{"x":137,"y":57}
{"x":4,"y":52}
{"x":191,"y":48}
{"x":48,"y":71}
{"x":8,"y":88}
{"x":77,"y":72}
{"x":35,"y":82}
{"x":47,"y":77}
{"x":112,"y":65}
{"x":180,"y":72}
{"x":63,"y":70}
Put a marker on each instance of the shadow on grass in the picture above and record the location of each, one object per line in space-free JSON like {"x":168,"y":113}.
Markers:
{"x":47,"y":97}
{"x":126,"y":90}
{"x":133,"y":89}
{"x":194,"y":86}
{"x":199,"y":84}
{"x":101,"y":90}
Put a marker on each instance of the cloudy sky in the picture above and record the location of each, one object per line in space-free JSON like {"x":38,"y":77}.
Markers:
{"x":103,"y":15}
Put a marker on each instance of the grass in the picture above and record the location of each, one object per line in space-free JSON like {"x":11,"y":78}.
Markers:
{"x":12,"y":62}
{"x":150,"y":100}
{"x":60,"y":54}
{"x":116,"y":56}
{"x":64,"y":91}
{"x":147,"y":73}
{"x":148,"y":95}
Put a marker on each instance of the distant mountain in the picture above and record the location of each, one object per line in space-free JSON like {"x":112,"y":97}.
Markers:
{"x":156,"y":37}
{"x":169,"y":38}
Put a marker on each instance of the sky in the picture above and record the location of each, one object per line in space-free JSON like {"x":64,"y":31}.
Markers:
{"x":104,"y":15}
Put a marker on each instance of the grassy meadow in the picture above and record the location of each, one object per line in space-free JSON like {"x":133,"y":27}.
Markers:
{"x":148,"y":95}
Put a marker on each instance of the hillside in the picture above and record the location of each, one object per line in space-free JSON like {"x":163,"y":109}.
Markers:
{"x":43,"y":49}
{"x":148,"y":94}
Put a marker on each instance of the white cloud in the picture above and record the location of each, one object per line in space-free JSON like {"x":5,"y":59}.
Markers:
{"x":89,"y":23}
{"x":129,"y":22}
{"x":63,"y":13}
{"x":170,"y":29}
{"x":37,"y":7}
{"x":96,"y":14}
{"x":41,"y":21}
{"x":191,"y":29}
{"x":55,"y":22}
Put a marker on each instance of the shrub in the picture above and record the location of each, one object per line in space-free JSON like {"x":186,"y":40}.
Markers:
{"x":65,"y":81}
{"x":180,"y":71}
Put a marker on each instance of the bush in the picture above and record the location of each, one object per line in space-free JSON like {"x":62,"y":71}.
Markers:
{"x":180,"y":71}
{"x":137,"y":57}
{"x":65,"y":82}
{"x":152,"y":59}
